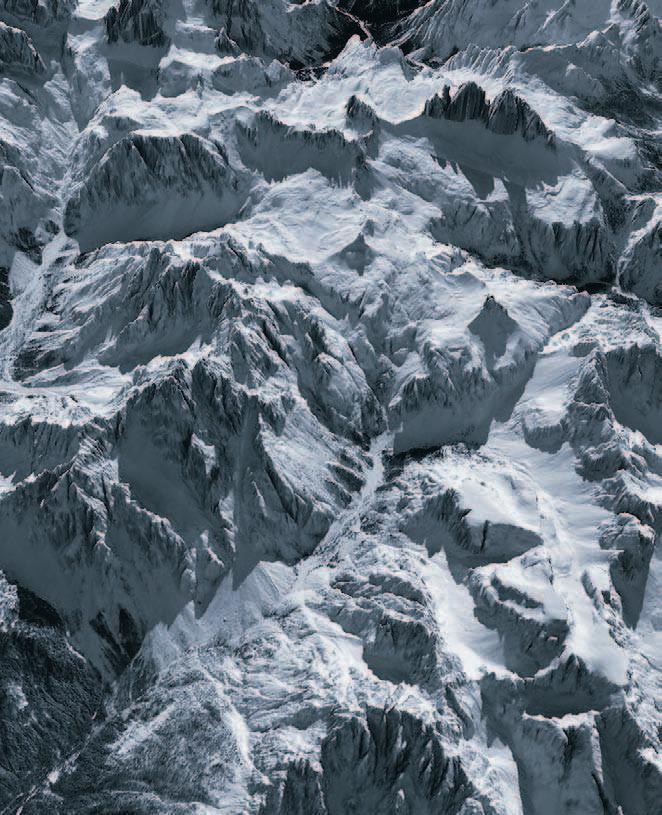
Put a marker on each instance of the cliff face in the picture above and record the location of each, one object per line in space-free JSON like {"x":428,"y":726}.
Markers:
{"x":136,"y":21}
{"x":153,"y":187}
{"x":330,"y":407}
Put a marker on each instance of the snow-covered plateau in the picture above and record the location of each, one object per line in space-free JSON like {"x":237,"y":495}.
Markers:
{"x":330,"y":407}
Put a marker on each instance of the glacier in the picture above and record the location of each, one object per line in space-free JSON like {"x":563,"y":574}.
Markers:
{"x":330,"y":407}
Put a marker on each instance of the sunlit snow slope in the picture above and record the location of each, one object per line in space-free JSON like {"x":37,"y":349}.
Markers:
{"x":330,"y":407}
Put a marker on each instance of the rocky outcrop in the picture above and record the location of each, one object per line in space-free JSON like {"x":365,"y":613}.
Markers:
{"x":312,"y":473}
{"x":457,"y":394}
{"x":27,"y":225}
{"x":5,"y":299}
{"x":532,"y":635}
{"x":442,"y":522}
{"x":580,"y":253}
{"x":506,"y":115}
{"x":509,"y":114}
{"x":154,"y":187}
{"x":139,"y":21}
{"x":299,"y":34}
{"x":361,"y":116}
{"x":393,"y":617}
{"x":50,"y":693}
{"x":389,"y":761}
{"x":640,"y":265}
{"x":631,"y":371}
{"x":278,"y":150}
{"x":17,"y":52}
{"x":40,"y":13}
{"x":379,"y":15}
{"x":645,"y":46}
{"x":633,"y":544}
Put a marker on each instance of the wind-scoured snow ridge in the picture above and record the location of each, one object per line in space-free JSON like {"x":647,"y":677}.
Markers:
{"x":330,"y":407}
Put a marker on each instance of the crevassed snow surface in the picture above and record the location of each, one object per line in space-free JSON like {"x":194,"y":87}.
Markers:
{"x":330,"y":407}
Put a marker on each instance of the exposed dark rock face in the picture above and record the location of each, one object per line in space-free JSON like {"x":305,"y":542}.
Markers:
{"x":5,"y":299}
{"x":507,"y":114}
{"x":140,"y":174}
{"x":42,"y":13}
{"x":380,"y":14}
{"x":510,"y":115}
{"x":17,"y":52}
{"x":330,"y":407}
{"x":137,"y":21}
{"x":300,"y":34}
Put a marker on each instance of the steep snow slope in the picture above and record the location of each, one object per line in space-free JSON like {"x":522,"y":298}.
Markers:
{"x":330,"y":407}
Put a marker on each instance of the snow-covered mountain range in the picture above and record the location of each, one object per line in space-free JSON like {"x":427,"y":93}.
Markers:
{"x":330,"y":407}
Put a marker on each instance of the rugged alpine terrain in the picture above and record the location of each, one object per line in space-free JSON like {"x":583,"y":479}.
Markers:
{"x":330,"y":407}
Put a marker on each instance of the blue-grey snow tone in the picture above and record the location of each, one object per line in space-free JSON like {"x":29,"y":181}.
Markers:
{"x":330,"y":407}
